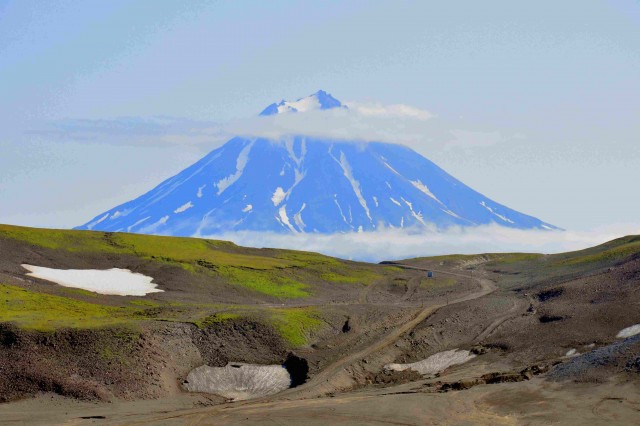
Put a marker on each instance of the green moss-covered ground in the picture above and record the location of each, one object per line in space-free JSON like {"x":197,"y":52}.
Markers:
{"x":45,"y":312}
{"x":296,"y":325}
{"x":282,"y":274}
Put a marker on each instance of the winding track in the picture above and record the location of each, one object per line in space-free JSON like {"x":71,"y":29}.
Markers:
{"x":320,"y":383}
{"x":317,"y":384}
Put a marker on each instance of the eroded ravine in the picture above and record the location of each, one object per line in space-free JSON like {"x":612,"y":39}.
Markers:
{"x":321,"y":383}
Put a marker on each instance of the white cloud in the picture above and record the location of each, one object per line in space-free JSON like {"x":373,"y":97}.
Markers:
{"x":133,"y":131}
{"x":361,"y":121}
{"x":396,"y":110}
{"x":390,"y":244}
{"x":368,"y":122}
{"x":341,"y":124}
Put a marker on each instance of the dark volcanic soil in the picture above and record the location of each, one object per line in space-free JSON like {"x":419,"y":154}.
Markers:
{"x":85,"y":364}
{"x":543,"y":329}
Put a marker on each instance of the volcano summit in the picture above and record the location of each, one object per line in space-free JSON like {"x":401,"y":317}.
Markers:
{"x":303,"y":184}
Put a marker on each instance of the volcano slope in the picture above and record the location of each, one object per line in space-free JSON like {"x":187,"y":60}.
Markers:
{"x":542,"y":328}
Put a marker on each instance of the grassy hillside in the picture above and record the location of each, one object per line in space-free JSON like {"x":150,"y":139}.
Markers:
{"x":282,"y":274}
{"x":527,"y":271}
{"x":208,"y":282}
{"x":194,"y":274}
{"x":45,"y":312}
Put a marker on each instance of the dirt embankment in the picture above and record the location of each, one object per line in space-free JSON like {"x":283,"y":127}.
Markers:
{"x":126,"y":364}
{"x":79,"y":363}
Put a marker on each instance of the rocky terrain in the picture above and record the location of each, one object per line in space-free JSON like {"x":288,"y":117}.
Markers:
{"x":490,"y":338}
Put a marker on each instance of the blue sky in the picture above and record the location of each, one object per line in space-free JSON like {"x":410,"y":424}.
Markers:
{"x":544,"y":96}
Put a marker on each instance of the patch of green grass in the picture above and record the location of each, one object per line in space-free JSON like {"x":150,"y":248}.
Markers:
{"x":144,"y":303}
{"x":183,"y":251}
{"x":350,"y":276}
{"x":399,"y":281}
{"x":514,"y":258}
{"x":607,"y":255}
{"x":109,"y":354}
{"x":75,"y":241}
{"x":438,"y":281}
{"x":339,"y":278}
{"x":77,"y":292}
{"x":191,"y":250}
{"x":266,"y":282}
{"x":119,"y":353}
{"x":216,"y":319}
{"x":484,"y":257}
{"x":306,"y":258}
{"x":295,"y":325}
{"x":45,"y":312}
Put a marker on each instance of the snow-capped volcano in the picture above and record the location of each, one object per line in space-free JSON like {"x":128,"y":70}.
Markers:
{"x":317,"y":101}
{"x":303,"y":184}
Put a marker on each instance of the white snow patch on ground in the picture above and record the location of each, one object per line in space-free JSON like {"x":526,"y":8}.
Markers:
{"x":116,"y":215}
{"x":391,"y":168}
{"x":571,"y":353}
{"x":335,"y":200}
{"x":297,"y":178}
{"x":238,"y":381}
{"x":297,"y":218}
{"x":375,"y":200}
{"x":199,"y":193}
{"x":278,"y":196}
{"x":450,"y":213}
{"x":435,"y":363}
{"x":119,"y":282}
{"x":247,"y":209}
{"x":309,"y":103}
{"x":355,"y":185}
{"x":150,"y":229}
{"x":506,"y":219}
{"x":95,"y":222}
{"x":282,"y":212}
{"x":629,"y":331}
{"x":303,"y":151}
{"x":418,"y":215}
{"x":241,"y":163}
{"x":129,"y":228}
{"x":183,"y":207}
{"x":424,"y":189}
{"x":394,"y":201}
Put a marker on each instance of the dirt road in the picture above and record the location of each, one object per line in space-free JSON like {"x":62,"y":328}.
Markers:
{"x":320,"y":384}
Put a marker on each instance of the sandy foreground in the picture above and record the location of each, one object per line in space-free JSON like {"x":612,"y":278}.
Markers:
{"x":533,"y":402}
